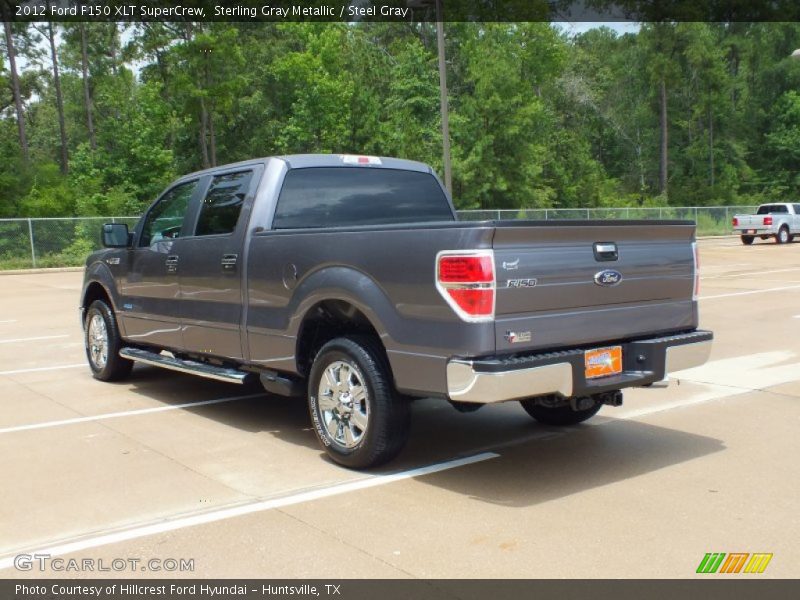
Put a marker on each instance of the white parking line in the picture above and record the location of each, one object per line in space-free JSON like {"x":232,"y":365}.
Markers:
{"x":33,"y":339}
{"x":127,"y":413}
{"x":777,"y":289}
{"x":8,"y":321}
{"x":750,"y":273}
{"x":729,"y":377}
{"x":40,"y":369}
{"x":245,"y":509}
{"x":722,"y":268}
{"x":714,"y":392}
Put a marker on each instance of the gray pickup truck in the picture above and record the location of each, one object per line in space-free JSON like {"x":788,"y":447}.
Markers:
{"x":349,"y":280}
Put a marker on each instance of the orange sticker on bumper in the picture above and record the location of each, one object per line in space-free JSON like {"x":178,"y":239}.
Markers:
{"x":602,"y":362}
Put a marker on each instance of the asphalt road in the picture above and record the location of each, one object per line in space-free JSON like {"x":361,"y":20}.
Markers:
{"x":169,"y":467}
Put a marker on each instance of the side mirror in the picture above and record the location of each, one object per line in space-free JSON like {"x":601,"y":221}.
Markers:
{"x":115,"y":235}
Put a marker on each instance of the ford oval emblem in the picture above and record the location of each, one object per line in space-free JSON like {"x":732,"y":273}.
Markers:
{"x":608,"y":277}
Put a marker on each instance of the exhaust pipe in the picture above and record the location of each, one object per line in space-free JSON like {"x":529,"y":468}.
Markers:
{"x":613,"y":398}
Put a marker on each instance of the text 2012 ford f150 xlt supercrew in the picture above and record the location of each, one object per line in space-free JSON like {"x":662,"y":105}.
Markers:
{"x":349,"y":279}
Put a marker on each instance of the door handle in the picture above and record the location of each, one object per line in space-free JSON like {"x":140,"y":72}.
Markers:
{"x":229,"y":262}
{"x":171,"y":263}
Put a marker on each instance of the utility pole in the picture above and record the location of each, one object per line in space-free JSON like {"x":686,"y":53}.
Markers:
{"x":448,"y":175}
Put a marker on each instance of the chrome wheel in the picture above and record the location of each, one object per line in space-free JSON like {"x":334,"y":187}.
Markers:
{"x":358,"y":417}
{"x":343,"y":407}
{"x":97,"y":340}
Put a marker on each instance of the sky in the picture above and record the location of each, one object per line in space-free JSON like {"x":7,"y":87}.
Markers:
{"x":576,"y":28}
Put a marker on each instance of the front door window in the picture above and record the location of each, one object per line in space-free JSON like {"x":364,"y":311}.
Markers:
{"x":165,"y":219}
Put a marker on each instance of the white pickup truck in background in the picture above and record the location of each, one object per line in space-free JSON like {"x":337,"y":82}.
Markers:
{"x":780,"y":220}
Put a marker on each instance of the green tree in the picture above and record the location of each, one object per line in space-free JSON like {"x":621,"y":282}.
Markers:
{"x":783,"y":145}
{"x":500,"y":121}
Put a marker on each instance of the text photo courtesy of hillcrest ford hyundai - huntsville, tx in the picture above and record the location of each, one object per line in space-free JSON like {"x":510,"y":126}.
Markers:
{"x":386,"y":305}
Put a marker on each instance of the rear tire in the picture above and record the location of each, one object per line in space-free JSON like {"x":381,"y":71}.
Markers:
{"x":103,"y":342}
{"x":783,"y":235}
{"x":747,"y":239}
{"x":558,"y":415}
{"x":359,"y":419}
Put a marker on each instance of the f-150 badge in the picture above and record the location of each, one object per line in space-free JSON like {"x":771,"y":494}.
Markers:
{"x":520,"y":283}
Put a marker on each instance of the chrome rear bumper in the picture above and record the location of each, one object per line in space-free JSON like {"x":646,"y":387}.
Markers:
{"x":645,"y":362}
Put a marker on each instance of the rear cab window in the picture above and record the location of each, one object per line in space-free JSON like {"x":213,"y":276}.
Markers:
{"x":768,"y":209}
{"x":318,"y":197}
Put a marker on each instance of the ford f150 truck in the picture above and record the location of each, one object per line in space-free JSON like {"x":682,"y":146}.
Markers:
{"x":778,"y":220}
{"x":350,"y":281}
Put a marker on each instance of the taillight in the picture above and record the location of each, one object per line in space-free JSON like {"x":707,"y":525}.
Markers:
{"x":696,"y":290}
{"x":466,"y":281}
{"x":767,"y":220}
{"x":735,"y":222}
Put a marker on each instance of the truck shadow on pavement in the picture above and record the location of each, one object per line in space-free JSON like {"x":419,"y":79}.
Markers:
{"x":536,"y":464}
{"x":284,"y":418}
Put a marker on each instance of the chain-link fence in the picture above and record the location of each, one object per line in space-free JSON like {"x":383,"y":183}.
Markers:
{"x":711,"y":220}
{"x":60,"y":242}
{"x":65,"y":242}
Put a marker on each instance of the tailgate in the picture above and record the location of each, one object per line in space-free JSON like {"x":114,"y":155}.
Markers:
{"x":573,"y":283}
{"x":750,"y":221}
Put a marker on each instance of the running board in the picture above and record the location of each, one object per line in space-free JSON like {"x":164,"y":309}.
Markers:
{"x":184,"y":366}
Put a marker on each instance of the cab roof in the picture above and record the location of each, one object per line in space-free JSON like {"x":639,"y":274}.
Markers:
{"x":304,"y":161}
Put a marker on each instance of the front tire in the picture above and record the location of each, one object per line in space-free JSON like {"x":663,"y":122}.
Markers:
{"x":103,"y":342}
{"x":558,"y":414}
{"x":747,"y":239}
{"x":783,"y":236}
{"x":359,"y":419}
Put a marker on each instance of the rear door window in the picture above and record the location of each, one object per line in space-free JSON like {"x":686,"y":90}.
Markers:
{"x":343,"y":196}
{"x":222,"y":205}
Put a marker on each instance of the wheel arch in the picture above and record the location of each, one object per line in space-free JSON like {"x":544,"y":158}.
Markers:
{"x":335,"y":301}
{"x":98,"y":283}
{"x":95,"y":291}
{"x":328,"y":319}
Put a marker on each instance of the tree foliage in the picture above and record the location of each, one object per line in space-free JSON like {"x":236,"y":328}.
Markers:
{"x":538,"y":118}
